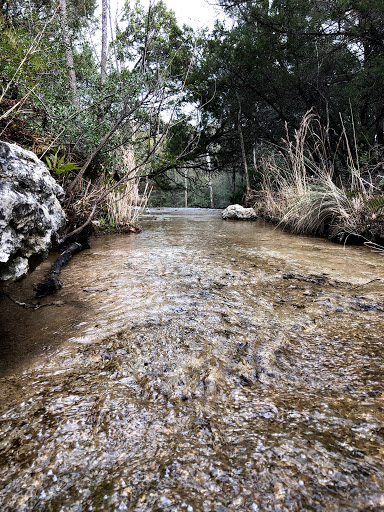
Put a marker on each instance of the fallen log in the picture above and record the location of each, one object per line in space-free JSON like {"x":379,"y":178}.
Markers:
{"x":52,"y":283}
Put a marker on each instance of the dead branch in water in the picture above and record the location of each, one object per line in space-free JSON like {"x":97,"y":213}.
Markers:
{"x":52,"y":283}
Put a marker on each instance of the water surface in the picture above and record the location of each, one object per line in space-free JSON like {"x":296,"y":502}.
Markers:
{"x":202,"y":365}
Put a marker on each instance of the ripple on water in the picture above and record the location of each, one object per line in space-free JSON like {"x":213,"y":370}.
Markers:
{"x":207,"y":375}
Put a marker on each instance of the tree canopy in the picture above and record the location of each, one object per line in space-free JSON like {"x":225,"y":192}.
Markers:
{"x":230,"y":93}
{"x":277,"y":60}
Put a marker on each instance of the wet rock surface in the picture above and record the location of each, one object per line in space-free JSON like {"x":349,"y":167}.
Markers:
{"x":236,"y":211}
{"x":204,"y":379}
{"x":31,"y":216}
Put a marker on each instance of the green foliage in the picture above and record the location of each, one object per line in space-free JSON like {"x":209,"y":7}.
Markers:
{"x":278,"y":60}
{"x":153,"y":41}
{"x":15,"y":45}
{"x":376,"y":205}
{"x":57,"y":165}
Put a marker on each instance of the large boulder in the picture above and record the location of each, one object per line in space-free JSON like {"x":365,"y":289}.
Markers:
{"x":235,"y":211}
{"x":31,"y":216}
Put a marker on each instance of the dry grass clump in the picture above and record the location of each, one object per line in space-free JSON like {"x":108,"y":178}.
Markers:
{"x":299,"y":191}
{"x":125,"y":203}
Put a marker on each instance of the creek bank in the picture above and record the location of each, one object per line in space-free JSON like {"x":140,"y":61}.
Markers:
{"x":99,"y":229}
{"x":370,"y":234}
{"x":33,"y":222}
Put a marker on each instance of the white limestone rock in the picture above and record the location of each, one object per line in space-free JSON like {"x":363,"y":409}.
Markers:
{"x":31,"y":216}
{"x":235,"y":211}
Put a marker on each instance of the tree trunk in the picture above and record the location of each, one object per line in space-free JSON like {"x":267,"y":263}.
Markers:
{"x":104,"y":39}
{"x":243,"y":153}
{"x":254,"y":159}
{"x":210,"y":186}
{"x":211,"y":191}
{"x":68,"y":52}
{"x":186,"y":189}
{"x":234,"y":180}
{"x":112,"y":40}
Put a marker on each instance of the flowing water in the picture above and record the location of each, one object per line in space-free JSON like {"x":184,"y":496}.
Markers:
{"x":201,"y":365}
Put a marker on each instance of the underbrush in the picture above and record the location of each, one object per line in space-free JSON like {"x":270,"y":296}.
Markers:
{"x":114,"y":200}
{"x":300,"y":192}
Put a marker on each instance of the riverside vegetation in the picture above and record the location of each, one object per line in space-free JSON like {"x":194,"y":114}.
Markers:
{"x":279,"y":106}
{"x":300,"y":191}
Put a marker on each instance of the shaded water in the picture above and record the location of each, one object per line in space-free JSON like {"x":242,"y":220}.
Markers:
{"x":202,"y":365}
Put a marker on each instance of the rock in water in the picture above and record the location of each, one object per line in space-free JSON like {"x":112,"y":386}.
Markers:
{"x":235,"y":211}
{"x":31,"y":216}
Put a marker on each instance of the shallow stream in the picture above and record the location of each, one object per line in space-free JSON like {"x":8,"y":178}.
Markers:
{"x":202,"y":365}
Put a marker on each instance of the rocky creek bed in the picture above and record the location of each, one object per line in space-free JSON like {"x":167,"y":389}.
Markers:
{"x":202,"y":365}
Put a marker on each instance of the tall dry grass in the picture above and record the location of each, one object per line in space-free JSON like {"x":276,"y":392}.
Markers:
{"x":125,"y":204}
{"x":299,"y":192}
